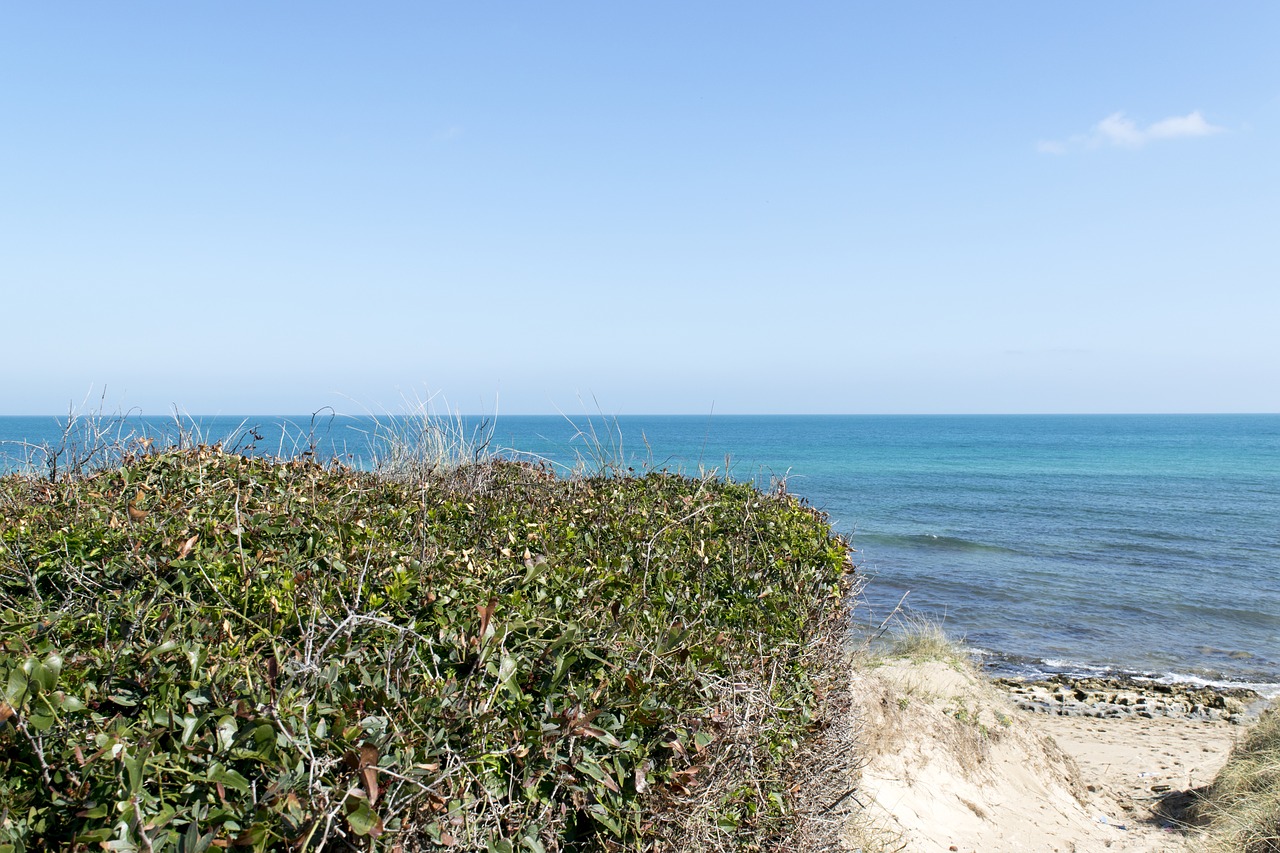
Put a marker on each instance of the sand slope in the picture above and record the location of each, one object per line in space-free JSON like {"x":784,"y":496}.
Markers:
{"x":950,"y":764}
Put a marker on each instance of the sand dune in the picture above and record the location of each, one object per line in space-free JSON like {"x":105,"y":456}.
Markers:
{"x":950,"y":763}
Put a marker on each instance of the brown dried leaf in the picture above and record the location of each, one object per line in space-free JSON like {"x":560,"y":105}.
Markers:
{"x":187,"y":546}
{"x":369,"y":774}
{"x":486,"y":614}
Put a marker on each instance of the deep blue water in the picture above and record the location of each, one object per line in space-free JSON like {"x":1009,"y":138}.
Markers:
{"x":1143,"y":543}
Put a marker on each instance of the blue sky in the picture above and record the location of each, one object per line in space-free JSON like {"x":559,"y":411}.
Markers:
{"x":640,"y":208}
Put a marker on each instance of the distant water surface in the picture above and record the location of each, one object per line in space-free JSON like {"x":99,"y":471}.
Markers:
{"x":1143,"y":544}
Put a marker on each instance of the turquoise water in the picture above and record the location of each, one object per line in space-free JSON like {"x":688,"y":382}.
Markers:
{"x":1144,"y":544}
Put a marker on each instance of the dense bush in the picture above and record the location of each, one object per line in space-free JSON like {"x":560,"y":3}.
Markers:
{"x":201,"y":649}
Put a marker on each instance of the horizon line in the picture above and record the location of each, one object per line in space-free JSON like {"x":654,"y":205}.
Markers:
{"x":708,"y":415}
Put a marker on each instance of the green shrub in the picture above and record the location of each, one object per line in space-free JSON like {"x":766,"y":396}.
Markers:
{"x":201,"y":649}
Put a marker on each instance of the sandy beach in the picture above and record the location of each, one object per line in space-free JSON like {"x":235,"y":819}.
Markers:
{"x":955,"y":762}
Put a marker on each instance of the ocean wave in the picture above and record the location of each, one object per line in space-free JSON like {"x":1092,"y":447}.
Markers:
{"x":932,"y":540}
{"x":1035,"y":669}
{"x":1267,"y":689}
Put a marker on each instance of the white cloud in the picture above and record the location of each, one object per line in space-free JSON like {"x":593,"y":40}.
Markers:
{"x":1115,"y":129}
{"x":1119,"y":131}
{"x":1192,"y":124}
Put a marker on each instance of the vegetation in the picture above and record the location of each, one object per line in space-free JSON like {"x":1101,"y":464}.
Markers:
{"x":200,"y":649}
{"x":1242,"y":806}
{"x":921,"y":638}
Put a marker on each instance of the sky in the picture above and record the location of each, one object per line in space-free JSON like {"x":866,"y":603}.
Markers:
{"x":714,"y":207}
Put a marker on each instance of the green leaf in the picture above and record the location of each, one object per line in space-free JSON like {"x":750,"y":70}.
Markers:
{"x":362,"y":819}
{"x":70,"y":704}
{"x":189,"y":725}
{"x":96,"y":811}
{"x":228,"y":777}
{"x":94,"y":836}
{"x":40,"y":721}
{"x":264,"y":740}
{"x":507,"y":676}
{"x":136,"y":766}
{"x":194,"y":842}
{"x":602,"y":816}
{"x":166,"y":646}
{"x":227,"y":728}
{"x":16,"y":689}
{"x":162,"y":817}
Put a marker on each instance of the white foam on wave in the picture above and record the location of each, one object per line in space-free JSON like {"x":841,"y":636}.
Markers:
{"x":1269,"y":690}
{"x":1049,"y":667}
{"x":1070,"y":667}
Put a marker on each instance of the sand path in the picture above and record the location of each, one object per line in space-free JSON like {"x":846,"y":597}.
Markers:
{"x":1143,"y":764}
{"x":953,"y":765}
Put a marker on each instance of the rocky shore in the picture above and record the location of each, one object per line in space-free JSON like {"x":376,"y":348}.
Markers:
{"x":1113,"y":698}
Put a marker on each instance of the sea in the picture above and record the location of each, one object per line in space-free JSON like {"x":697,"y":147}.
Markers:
{"x":1136,"y":545}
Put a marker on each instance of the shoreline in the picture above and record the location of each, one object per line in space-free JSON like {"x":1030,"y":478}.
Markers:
{"x":1252,"y":673}
{"x":1000,"y":666}
{"x":1118,"y":697}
